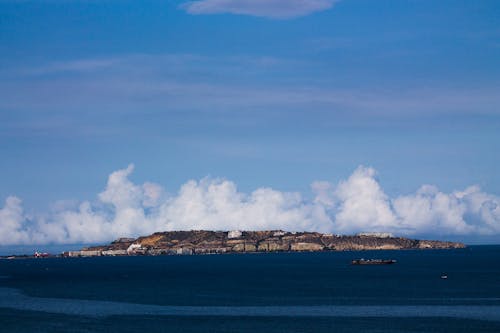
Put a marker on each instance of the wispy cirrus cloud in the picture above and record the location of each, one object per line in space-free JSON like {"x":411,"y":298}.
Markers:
{"x":277,"y":9}
{"x":87,"y":96}
{"x":195,"y":82}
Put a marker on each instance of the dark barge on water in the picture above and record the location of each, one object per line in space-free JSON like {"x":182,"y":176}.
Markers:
{"x":373,"y":262}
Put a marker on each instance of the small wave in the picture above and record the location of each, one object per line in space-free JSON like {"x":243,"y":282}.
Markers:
{"x":14,"y":299}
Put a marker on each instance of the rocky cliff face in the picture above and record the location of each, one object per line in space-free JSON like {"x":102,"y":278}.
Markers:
{"x":204,"y":242}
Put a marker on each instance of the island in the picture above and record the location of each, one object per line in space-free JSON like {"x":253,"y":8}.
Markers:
{"x":218,"y":242}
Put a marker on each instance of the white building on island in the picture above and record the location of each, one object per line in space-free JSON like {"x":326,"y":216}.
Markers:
{"x":376,"y":234}
{"x":234,"y":234}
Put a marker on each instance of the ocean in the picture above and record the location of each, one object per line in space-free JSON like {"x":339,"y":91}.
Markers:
{"x":274,"y":292}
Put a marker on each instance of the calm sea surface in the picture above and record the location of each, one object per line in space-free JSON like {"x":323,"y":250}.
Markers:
{"x":283,"y":292}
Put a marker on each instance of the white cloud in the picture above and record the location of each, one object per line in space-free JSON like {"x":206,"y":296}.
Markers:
{"x":353,"y":205}
{"x":362,"y":203}
{"x":217,"y":204}
{"x":11,"y":222}
{"x":282,"y":9}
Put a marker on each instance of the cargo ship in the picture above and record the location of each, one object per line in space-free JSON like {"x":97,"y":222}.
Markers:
{"x":373,"y":262}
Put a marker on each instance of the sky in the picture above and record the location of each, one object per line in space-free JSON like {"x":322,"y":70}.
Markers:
{"x":125,"y":117}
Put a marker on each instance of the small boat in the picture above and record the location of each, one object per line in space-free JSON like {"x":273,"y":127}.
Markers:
{"x":373,"y":261}
{"x":444,"y":276}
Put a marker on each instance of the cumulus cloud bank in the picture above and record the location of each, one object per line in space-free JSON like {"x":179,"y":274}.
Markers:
{"x":281,"y":9}
{"x":357,"y":204}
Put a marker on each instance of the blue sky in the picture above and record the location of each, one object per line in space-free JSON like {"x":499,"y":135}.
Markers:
{"x":264,"y":93}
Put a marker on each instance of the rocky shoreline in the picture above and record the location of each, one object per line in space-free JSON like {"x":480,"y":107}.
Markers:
{"x":212,"y":242}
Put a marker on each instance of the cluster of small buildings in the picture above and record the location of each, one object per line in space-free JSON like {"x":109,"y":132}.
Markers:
{"x":375,"y":234}
{"x":132,"y":249}
{"x":137,"y":249}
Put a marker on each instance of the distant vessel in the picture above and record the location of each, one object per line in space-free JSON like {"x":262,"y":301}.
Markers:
{"x":444,"y":276}
{"x":373,"y":261}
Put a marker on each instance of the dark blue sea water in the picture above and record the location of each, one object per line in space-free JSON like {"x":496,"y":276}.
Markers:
{"x":282,"y":292}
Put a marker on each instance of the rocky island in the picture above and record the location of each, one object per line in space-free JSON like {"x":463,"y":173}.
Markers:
{"x":211,"y":242}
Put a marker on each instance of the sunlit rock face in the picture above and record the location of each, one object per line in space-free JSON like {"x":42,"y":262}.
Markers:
{"x":205,"y":242}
